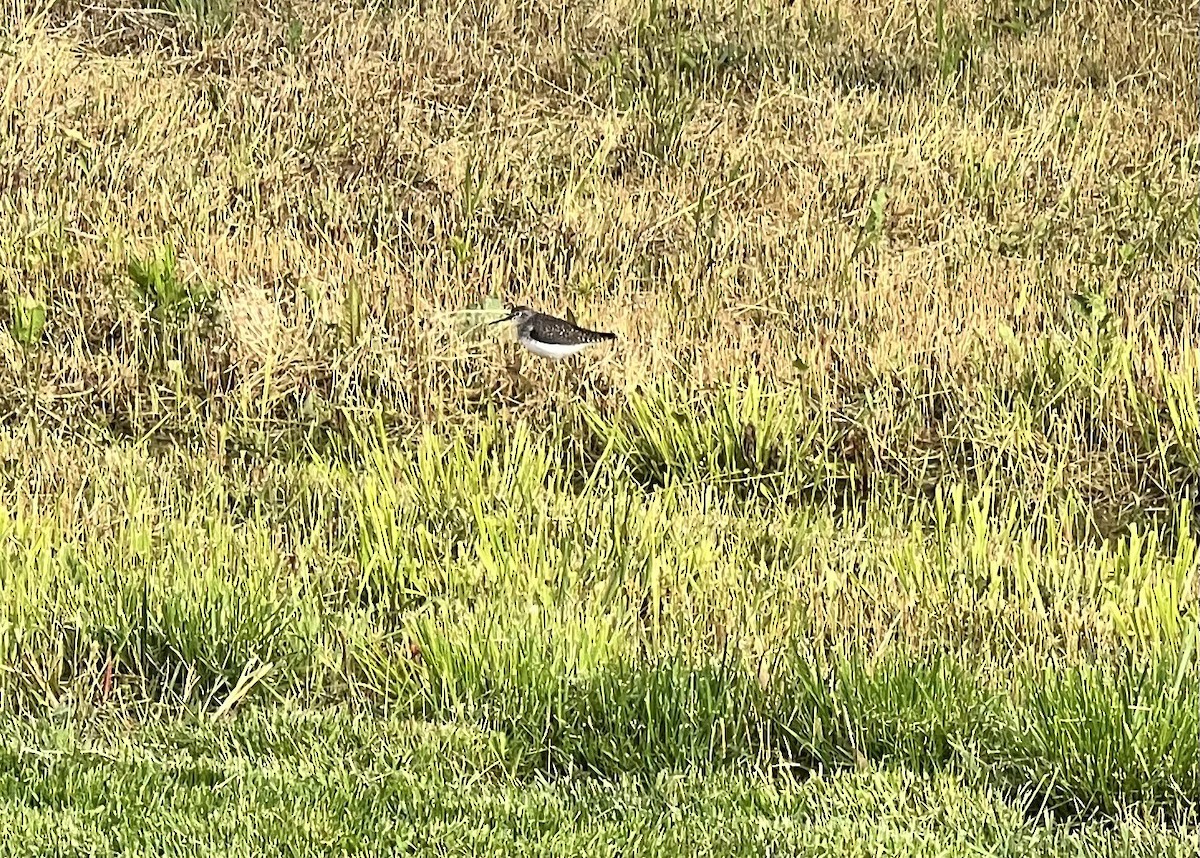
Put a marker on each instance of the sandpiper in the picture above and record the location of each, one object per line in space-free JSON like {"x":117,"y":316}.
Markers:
{"x":550,"y":336}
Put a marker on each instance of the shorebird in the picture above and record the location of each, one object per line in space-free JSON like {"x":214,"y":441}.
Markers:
{"x":550,"y":336}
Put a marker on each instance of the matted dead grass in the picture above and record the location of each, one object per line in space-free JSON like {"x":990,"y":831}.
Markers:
{"x":829,"y":190}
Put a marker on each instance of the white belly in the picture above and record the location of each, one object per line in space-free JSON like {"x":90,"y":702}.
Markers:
{"x":552,"y":350}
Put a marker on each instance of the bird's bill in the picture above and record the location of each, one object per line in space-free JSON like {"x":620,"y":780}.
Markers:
{"x":507,"y":318}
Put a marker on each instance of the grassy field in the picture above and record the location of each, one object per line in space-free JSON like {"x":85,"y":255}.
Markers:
{"x":874,"y":533}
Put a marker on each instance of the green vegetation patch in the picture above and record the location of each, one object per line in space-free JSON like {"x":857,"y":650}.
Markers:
{"x":328,"y":782}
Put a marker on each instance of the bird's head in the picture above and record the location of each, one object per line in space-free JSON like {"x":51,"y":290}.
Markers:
{"x":517,"y":315}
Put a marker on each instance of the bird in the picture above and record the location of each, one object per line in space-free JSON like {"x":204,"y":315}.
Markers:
{"x":550,"y":336}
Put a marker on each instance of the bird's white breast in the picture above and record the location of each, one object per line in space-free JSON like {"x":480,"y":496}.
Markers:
{"x":554,"y":351}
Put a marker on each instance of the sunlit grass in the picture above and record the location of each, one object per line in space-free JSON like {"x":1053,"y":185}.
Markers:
{"x":890,"y":480}
{"x":330,"y":781}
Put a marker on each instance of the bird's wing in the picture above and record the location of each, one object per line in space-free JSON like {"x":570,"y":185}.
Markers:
{"x":557,"y":332}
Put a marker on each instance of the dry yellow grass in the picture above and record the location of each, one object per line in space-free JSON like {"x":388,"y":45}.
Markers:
{"x":420,"y":159}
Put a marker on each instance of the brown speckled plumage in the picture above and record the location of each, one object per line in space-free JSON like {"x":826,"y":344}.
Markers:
{"x":560,"y":332}
{"x":550,"y":336}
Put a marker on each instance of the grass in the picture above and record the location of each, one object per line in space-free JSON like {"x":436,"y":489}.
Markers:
{"x":876,"y":531}
{"x":320,"y":782}
{"x":332,"y":782}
